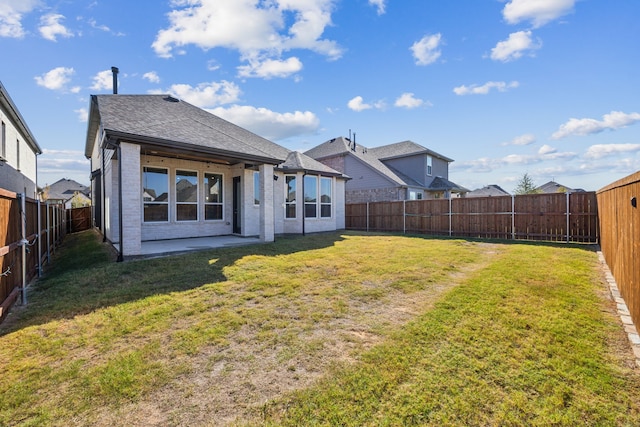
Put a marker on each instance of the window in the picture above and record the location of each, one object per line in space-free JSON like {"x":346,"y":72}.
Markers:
{"x":429,"y":165}
{"x":415,"y":195}
{"x":325,"y":197}
{"x":212,"y":196}
{"x":186,"y":195}
{"x":256,"y":188}
{"x":155,"y":193}
{"x":290,"y":197}
{"x":310,"y":196}
{"x":18,"y":155}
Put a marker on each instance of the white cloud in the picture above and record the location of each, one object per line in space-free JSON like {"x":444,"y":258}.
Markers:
{"x":485,"y":88}
{"x":151,"y":77}
{"x":514,"y":46}
{"x":56,"y":164}
{"x":50,"y":27}
{"x":257,"y":30}
{"x":55,"y":79}
{"x":525,"y":139}
{"x":11,"y":12}
{"x":427,"y":50}
{"x":270,"y":68}
{"x":539,"y":12}
{"x":103,"y":80}
{"x":613,"y":120}
{"x":604,"y":150}
{"x":207,"y":95}
{"x":357,"y":104}
{"x":379,"y":4}
{"x":486,"y":164}
{"x":408,"y":100}
{"x":270,"y":124}
{"x":547,"y":149}
{"x":83,"y":114}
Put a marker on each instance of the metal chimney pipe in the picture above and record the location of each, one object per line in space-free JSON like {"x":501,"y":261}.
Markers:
{"x":115,"y":70}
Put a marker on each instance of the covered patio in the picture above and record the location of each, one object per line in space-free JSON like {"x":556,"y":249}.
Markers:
{"x":158,"y":248}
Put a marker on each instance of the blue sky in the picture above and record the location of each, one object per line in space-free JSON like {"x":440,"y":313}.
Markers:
{"x":503,"y":87}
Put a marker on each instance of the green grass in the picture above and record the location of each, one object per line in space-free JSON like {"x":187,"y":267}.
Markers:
{"x":523,"y":338}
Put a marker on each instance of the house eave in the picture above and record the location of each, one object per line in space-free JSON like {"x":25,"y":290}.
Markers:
{"x":177,"y":149}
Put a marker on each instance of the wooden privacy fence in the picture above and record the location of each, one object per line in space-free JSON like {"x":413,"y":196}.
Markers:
{"x":568,"y":217}
{"x":29,"y":233}
{"x":79,"y":219}
{"x":620,"y":237}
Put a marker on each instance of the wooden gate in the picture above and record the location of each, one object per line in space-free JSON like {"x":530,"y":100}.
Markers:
{"x":79,"y":219}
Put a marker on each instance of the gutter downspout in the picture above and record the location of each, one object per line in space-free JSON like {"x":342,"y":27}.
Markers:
{"x":120,"y":256}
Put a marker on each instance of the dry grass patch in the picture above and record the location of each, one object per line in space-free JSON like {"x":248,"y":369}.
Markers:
{"x":256,"y":334}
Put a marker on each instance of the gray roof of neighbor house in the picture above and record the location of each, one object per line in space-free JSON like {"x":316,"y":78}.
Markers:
{"x":402,"y":149}
{"x":488,"y":191}
{"x":344,"y":146}
{"x":374,"y":158}
{"x":442,"y":184}
{"x":300,"y":162}
{"x":167,"y":124}
{"x":554,"y":187}
{"x":64,"y":189}
{"x":16,"y":117}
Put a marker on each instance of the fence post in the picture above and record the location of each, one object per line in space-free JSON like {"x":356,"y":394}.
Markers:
{"x":39,"y":239}
{"x":367,"y":216}
{"x":450,"y":216}
{"x":23,"y":244}
{"x":48,"y":233}
{"x":568,"y":222}
{"x":513,"y":217}
{"x":404,"y":217}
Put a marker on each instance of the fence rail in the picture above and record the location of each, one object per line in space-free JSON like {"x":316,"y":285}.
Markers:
{"x":29,"y":233}
{"x":569,"y":217}
{"x":620,"y":242}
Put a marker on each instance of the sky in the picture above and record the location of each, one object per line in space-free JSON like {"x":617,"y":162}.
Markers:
{"x":503,"y":87}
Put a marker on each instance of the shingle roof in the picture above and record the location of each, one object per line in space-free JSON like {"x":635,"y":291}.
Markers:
{"x":166,"y":120}
{"x":489,"y":190}
{"x":554,"y":187}
{"x":344,"y":146}
{"x":442,"y":184}
{"x":64,"y":189}
{"x":404,"y":148}
{"x":298,"y":162}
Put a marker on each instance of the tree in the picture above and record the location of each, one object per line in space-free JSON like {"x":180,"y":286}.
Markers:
{"x":525,"y":185}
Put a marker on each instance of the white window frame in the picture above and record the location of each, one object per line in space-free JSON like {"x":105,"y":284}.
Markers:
{"x":186,"y":173}
{"x":256,"y":188}
{"x":218,"y":203}
{"x":165,"y":203}
{"x":429,"y":165}
{"x":289,"y":203}
{"x":322,"y":204}
{"x":307,"y":188}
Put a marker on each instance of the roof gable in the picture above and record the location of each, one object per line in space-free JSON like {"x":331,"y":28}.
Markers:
{"x":403,"y":149}
{"x":297,"y":161}
{"x":170,"y":121}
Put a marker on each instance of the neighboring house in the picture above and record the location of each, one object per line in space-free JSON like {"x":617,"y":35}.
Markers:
{"x":68,"y":192}
{"x":554,"y":187}
{"x":488,"y":191}
{"x":18,"y":150}
{"x":401,"y":171}
{"x":164,"y":169}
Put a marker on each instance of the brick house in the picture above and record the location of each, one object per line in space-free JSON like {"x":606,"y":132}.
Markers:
{"x":400,"y":171}
{"x":162,"y":168}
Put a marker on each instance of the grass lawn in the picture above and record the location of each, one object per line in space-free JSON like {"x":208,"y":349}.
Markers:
{"x":329,"y":329}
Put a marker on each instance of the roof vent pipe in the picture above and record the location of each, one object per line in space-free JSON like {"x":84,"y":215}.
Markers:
{"x":115,"y":70}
